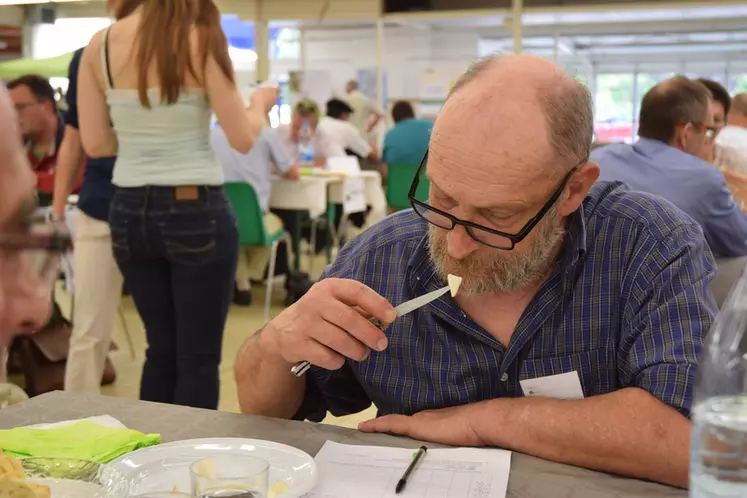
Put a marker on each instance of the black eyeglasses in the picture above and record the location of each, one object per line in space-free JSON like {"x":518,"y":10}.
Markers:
{"x":480,"y":233}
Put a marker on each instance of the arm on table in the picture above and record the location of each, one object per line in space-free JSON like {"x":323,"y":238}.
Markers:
{"x":280,"y":157}
{"x":604,"y":433}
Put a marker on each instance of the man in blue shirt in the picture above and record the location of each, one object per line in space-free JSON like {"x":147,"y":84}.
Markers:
{"x":669,"y":160}
{"x":407,"y":141}
{"x":98,"y":281}
{"x":605,"y":286}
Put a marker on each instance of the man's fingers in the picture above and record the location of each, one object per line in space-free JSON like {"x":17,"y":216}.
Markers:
{"x":338,"y":338}
{"x":354,"y":323}
{"x":320,"y":355}
{"x":391,"y":424}
{"x":354,"y":293}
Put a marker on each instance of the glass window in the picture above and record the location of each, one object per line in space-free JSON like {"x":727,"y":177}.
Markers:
{"x":613,"y":116}
{"x":738,"y":84}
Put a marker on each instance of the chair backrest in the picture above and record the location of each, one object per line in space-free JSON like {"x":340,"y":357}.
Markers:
{"x":398,"y":181}
{"x":249,"y":214}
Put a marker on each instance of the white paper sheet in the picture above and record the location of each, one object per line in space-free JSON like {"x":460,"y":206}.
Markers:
{"x":373,"y":472}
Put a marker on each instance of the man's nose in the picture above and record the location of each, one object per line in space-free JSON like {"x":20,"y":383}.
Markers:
{"x":460,"y":244}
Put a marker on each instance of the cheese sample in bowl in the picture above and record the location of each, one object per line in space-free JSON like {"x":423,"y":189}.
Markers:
{"x":454,"y":283}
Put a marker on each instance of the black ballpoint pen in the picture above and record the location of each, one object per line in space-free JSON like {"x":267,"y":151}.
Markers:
{"x":415,"y":461}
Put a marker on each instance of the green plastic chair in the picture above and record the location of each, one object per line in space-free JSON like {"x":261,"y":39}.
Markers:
{"x":398,"y":181}
{"x":252,"y":232}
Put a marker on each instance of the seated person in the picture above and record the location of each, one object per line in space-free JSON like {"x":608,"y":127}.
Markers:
{"x":676,"y":132}
{"x":560,"y":276}
{"x":256,"y":168}
{"x":42,"y":128}
{"x":341,"y":138}
{"x":305,"y":110}
{"x":407,"y":141}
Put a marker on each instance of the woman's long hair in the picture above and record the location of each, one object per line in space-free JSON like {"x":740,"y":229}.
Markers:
{"x":164,"y":33}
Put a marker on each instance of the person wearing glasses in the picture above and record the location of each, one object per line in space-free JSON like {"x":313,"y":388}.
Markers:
{"x":602,"y":286}
{"x":42,"y":127}
{"x":671,"y":159}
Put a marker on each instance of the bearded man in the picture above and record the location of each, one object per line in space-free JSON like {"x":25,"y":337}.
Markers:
{"x":581,"y":315}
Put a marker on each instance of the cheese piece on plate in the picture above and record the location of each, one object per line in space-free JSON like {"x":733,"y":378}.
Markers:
{"x":454,"y":283}
{"x":279,"y":489}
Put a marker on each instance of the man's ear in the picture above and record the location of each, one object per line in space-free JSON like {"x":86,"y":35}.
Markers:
{"x":578,"y":186}
{"x":682,"y":135}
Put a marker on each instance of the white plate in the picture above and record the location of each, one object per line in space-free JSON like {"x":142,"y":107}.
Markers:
{"x":160,"y":468}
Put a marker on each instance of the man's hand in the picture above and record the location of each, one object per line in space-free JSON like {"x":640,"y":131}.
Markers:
{"x":452,"y":426}
{"x":329,"y":324}
{"x":294,"y":173}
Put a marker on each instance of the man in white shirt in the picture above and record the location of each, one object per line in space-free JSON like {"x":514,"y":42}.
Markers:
{"x":365,"y":115}
{"x":341,"y":137}
{"x":735,"y":133}
{"x":256,"y":168}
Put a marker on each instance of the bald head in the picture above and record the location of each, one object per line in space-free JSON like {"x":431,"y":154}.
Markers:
{"x":537,"y":86}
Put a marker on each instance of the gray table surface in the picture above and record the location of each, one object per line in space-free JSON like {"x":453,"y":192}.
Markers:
{"x":530,"y":477}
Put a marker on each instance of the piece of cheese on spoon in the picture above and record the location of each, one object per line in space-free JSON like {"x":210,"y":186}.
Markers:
{"x":454,"y":283}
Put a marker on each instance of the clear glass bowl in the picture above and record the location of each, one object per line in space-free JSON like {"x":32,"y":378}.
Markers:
{"x":76,"y":478}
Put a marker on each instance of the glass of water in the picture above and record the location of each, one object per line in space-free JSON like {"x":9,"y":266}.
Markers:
{"x":230,"y":475}
{"x":718,"y":465}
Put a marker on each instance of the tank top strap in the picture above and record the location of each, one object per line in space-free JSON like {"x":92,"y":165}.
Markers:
{"x":105,"y":61}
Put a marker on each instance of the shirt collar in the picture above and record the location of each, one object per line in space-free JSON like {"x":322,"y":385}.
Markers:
{"x":423,"y":273}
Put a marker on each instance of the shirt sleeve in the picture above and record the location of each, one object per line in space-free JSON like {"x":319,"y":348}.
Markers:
{"x":278,"y":153}
{"x":71,"y":96}
{"x":668,"y":311}
{"x":355,"y":141}
{"x":339,"y":391}
{"x":725,"y":225}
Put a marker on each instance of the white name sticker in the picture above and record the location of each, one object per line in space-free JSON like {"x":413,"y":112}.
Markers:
{"x":562,"y":386}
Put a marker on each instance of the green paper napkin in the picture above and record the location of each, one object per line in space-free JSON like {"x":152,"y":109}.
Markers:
{"x":86,"y":440}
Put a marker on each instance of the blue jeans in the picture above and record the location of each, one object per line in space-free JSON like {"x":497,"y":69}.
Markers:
{"x":177,"y":249}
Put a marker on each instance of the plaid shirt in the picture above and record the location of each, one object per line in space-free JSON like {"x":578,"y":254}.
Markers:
{"x":627,"y":305}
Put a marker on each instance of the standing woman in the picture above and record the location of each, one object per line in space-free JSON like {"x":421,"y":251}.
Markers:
{"x":146,"y":87}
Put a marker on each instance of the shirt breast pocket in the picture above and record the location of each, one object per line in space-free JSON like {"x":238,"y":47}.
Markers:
{"x":596,"y":369}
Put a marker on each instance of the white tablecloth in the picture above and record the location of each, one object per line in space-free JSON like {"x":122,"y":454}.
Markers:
{"x":375,"y":196}
{"x":307,"y":194}
{"x":313,"y":193}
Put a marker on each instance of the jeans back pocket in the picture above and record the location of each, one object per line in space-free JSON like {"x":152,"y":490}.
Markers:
{"x":190,"y":242}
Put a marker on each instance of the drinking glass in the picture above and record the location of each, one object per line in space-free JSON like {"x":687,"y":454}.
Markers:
{"x":230,"y":475}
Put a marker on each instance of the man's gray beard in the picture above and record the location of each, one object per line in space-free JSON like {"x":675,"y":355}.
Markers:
{"x":507,"y":271}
